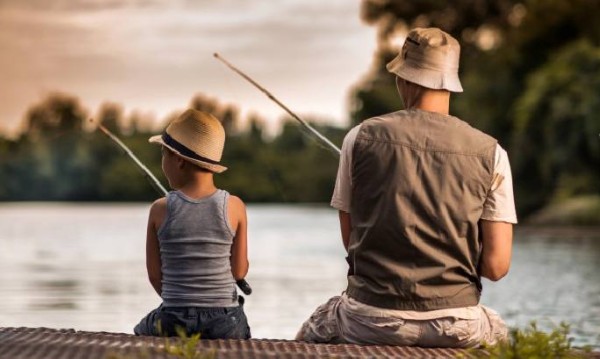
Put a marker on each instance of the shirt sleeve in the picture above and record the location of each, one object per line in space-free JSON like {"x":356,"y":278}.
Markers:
{"x":343,"y":183}
{"x":499,"y":205}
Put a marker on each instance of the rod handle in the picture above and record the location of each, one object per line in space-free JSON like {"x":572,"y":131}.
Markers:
{"x":244,"y":286}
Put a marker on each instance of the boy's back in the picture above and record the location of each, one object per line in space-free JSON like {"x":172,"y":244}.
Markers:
{"x":195,"y":246}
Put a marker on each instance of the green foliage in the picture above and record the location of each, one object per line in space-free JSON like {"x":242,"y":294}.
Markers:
{"x":290,"y":168}
{"x":532,"y":343}
{"x":62,"y":157}
{"x":186,"y":346}
{"x":555,"y":143}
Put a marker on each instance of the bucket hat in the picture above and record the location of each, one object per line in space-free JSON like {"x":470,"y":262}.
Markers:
{"x":197,"y":137}
{"x":429,"y":58}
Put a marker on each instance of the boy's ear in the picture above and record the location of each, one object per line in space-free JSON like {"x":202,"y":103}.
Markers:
{"x":181,"y":162}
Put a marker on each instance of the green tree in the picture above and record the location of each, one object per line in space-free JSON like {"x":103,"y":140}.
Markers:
{"x":54,"y":158}
{"x":58,"y":158}
{"x":556,"y":140}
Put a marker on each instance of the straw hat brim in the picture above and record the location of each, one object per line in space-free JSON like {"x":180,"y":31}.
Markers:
{"x":209,"y":166}
{"x":433,"y":79}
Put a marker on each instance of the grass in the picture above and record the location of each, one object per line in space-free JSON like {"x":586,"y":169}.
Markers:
{"x":532,"y":343}
{"x":185,"y":347}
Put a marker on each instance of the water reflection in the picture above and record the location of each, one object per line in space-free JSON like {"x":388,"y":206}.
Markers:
{"x":54,"y":294}
{"x":552,"y":280}
{"x":82,"y":267}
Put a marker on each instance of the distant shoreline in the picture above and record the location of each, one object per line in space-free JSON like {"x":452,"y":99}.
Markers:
{"x":561,"y":230}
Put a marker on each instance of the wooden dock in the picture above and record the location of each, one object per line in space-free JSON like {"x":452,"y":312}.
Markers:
{"x":34,"y":343}
{"x":38,"y":343}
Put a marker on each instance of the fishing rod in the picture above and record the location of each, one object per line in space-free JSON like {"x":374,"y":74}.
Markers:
{"x":242,"y":284}
{"x":273,"y":98}
{"x":153,"y":181}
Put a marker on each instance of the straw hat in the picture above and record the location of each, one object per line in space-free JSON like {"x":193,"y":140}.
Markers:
{"x":197,"y":137}
{"x":429,"y":58}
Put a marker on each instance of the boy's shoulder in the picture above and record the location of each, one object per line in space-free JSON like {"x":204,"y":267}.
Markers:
{"x":158,"y":207}
{"x":161,"y":202}
{"x":236,"y":201}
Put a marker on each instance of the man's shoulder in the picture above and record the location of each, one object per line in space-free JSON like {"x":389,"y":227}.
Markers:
{"x":477,"y":131}
{"x":351,"y":136}
{"x":388,"y":116}
{"x":416,"y":127}
{"x":380,"y":122}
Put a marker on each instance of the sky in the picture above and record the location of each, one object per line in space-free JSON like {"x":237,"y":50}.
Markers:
{"x":152,"y":56}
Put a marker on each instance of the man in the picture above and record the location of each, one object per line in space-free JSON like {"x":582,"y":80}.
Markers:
{"x":426,"y":210}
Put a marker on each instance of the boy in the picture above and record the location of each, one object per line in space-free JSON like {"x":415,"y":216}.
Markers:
{"x":196,"y":244}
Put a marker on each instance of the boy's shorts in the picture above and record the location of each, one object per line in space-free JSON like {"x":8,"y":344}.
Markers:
{"x":336,"y":322}
{"x":210,"y":323}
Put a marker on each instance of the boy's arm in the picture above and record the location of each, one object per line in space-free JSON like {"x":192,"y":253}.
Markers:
{"x":497,"y":248}
{"x":153,"y":263}
{"x":239,"y":248}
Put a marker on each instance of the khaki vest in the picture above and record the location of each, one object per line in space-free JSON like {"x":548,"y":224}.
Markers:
{"x":419,"y":181}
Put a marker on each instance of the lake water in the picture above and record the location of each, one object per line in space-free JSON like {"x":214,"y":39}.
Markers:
{"x":82,"y":266}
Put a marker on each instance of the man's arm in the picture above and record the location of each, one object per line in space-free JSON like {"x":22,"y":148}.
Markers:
{"x":342,"y":192}
{"x":497,"y":249}
{"x":346,"y":227}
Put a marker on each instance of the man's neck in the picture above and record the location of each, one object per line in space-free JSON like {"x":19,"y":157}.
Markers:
{"x":435,"y":101}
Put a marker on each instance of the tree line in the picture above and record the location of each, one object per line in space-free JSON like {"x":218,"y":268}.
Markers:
{"x":61,"y":156}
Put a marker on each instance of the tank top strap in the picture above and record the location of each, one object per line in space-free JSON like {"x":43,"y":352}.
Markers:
{"x":223,"y":198}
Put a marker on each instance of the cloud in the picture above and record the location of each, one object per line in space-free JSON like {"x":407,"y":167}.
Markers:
{"x":154,"y":55}
{"x":75,"y":5}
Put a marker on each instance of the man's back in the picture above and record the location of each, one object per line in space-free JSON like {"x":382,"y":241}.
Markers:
{"x":419,"y":183}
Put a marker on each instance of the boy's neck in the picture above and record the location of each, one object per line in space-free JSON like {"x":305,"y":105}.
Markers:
{"x":198,"y":185}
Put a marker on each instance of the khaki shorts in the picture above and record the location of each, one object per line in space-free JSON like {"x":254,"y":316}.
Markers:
{"x":332,"y":322}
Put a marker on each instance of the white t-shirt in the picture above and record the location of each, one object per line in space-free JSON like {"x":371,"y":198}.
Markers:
{"x":499,"y":206}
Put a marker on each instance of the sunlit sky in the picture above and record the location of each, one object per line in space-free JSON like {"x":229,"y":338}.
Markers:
{"x":152,"y":56}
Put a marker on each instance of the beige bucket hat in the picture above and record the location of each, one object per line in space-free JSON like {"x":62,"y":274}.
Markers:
{"x":429,"y":58}
{"x":197,"y":137}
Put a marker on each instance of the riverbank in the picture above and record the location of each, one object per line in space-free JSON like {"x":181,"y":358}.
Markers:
{"x":563,"y":232}
{"x":576,"y":211}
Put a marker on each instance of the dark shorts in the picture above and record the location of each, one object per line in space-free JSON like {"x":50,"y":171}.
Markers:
{"x":210,"y":323}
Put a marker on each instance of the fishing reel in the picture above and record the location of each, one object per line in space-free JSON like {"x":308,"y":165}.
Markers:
{"x":244,"y":286}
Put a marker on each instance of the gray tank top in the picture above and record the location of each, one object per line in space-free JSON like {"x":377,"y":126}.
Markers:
{"x":195,"y":246}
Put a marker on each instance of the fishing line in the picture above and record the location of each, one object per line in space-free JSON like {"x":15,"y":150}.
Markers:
{"x":305,"y":124}
{"x":153,"y":180}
